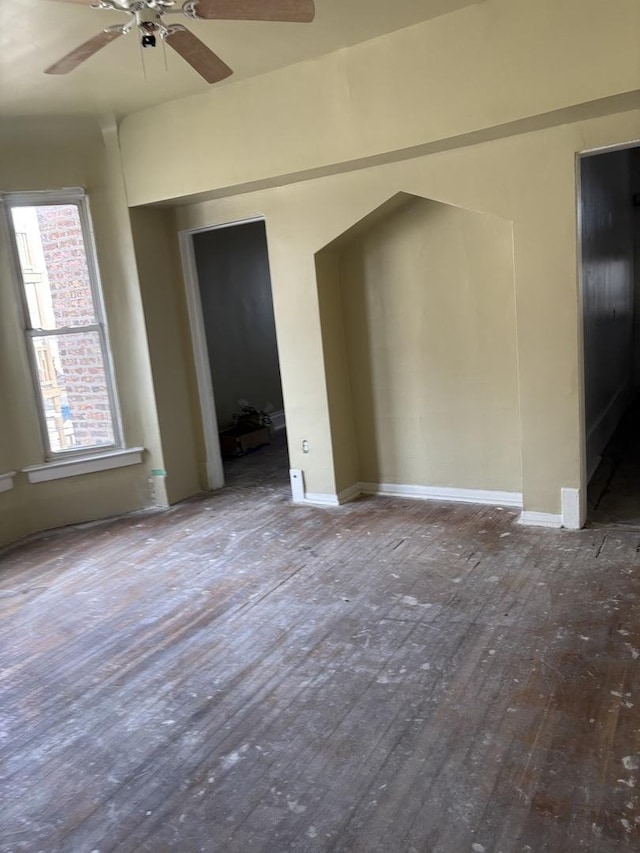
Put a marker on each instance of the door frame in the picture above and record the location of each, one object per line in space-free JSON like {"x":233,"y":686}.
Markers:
{"x":214,"y":471}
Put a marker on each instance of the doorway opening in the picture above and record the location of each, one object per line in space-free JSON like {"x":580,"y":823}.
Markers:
{"x":234,"y":339}
{"x":609,"y":208}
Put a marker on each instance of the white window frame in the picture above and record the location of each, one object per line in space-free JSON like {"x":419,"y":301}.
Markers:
{"x":78,"y":197}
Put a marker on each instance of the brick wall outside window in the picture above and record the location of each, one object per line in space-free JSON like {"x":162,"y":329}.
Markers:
{"x":82,"y":374}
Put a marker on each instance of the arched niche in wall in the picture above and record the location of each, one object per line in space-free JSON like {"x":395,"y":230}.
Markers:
{"x":417,"y":310}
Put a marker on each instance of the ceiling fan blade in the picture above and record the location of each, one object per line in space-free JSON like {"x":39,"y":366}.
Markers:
{"x":198,"y":55}
{"x":296,"y":11}
{"x":83,"y":52}
{"x":122,"y":5}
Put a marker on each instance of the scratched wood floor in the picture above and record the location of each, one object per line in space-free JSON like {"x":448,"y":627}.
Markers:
{"x":239,"y":674}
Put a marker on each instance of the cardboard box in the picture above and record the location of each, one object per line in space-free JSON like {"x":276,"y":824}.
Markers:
{"x":235,"y":442}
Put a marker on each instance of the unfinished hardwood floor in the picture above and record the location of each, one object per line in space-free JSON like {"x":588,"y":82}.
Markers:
{"x":240,"y":674}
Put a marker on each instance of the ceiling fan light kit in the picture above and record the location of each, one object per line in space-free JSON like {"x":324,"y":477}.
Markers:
{"x":147,"y":17}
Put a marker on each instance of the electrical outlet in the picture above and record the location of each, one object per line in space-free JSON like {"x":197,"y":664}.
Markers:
{"x":305,"y":446}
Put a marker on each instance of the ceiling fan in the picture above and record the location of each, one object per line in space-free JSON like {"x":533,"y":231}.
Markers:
{"x":147,"y":17}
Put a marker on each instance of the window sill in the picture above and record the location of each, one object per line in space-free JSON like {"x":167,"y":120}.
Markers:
{"x":6,"y":481}
{"x":60,"y":469}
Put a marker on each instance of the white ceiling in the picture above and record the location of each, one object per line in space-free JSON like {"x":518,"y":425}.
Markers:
{"x":36,"y":33}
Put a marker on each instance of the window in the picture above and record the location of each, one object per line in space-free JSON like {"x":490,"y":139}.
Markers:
{"x":64,"y":321}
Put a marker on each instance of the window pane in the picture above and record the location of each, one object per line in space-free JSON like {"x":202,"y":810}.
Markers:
{"x":54,"y":266}
{"x":73,"y":385}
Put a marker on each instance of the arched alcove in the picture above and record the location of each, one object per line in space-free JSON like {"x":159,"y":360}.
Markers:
{"x":417,"y":310}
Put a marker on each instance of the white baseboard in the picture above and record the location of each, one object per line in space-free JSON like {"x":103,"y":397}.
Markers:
{"x":6,"y":481}
{"x":318,"y":499}
{"x":424,"y":493}
{"x":159,"y":489}
{"x":570,"y":518}
{"x":539,"y":519}
{"x":350,"y":494}
{"x":296,"y":478}
{"x":277,"y":420}
{"x":573,"y":514}
{"x":300,"y":496}
{"x":444,"y":493}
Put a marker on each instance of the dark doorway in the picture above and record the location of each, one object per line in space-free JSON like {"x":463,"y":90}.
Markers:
{"x":610,"y":229}
{"x":232,"y":263}
{"x":614,"y":490}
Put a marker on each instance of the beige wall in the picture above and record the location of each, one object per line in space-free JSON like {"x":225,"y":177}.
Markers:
{"x":474,"y":71}
{"x":428,"y":322}
{"x":483,"y":109}
{"x":338,"y":374}
{"x":50,"y":154}
{"x":158,"y":264}
{"x":528,"y":180}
